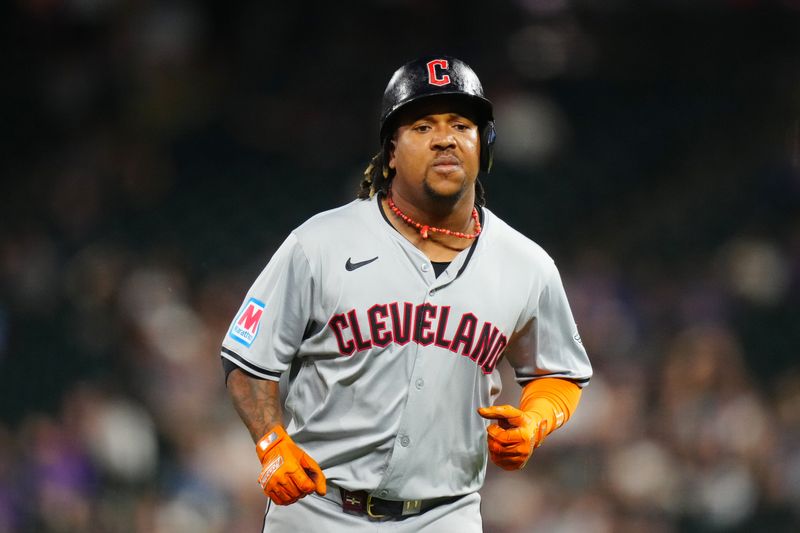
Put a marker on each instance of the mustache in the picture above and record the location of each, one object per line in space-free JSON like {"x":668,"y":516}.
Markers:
{"x":446,"y":159}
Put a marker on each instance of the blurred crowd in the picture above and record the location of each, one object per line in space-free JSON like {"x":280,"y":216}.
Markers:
{"x":155,"y":155}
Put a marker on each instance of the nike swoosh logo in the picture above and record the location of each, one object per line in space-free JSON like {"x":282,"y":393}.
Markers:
{"x":352,"y":266}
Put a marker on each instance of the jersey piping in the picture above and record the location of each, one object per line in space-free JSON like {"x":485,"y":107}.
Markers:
{"x":240,"y":361}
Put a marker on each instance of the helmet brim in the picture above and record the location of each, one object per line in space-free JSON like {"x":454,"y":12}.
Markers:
{"x":480,"y":107}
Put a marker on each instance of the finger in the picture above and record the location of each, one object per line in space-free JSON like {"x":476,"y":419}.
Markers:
{"x":509,"y":463}
{"x":507,"y":416}
{"x":302,"y":481}
{"x":315,"y":472}
{"x":503,"y":436}
{"x":509,"y":454}
{"x":277,"y":495}
{"x":497,"y":446}
{"x":287,"y":497}
{"x":287,"y":485}
{"x":514,"y":458}
{"x":499,"y":412}
{"x":285,"y":501}
{"x":506,"y":436}
{"x":519,"y":448}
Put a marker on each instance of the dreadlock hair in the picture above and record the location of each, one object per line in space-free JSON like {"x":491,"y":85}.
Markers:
{"x":378,"y":178}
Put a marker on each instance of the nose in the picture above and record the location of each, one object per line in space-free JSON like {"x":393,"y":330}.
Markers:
{"x":443,"y":139}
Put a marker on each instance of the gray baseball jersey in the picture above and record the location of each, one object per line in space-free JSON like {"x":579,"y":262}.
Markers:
{"x":385,"y":362}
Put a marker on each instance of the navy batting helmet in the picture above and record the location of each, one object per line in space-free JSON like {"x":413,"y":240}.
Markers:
{"x":438,"y":76}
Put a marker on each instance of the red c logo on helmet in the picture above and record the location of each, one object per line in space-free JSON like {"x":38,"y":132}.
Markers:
{"x":433,"y":76}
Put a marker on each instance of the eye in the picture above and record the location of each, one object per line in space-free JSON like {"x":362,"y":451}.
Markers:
{"x":458,"y":126}
{"x":422,"y":128}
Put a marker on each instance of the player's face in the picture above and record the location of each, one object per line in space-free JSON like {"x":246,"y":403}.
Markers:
{"x":436,"y":151}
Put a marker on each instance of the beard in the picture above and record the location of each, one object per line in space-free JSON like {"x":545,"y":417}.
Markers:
{"x":450,"y":198}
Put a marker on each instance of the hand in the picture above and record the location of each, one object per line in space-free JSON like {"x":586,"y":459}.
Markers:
{"x":287,"y":473}
{"x":515,"y":436}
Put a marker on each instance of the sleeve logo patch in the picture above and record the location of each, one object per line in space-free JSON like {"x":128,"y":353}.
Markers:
{"x":247,"y":323}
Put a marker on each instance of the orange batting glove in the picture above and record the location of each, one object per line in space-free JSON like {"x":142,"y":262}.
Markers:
{"x":515,"y":435}
{"x":545,"y":406}
{"x":287,"y":473}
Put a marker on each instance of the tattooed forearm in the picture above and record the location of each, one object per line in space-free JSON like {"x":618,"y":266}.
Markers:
{"x":256,"y":401}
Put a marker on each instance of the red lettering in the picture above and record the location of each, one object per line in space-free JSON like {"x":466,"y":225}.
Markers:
{"x":377,"y":314}
{"x":250,"y":318}
{"x":433,"y":76}
{"x":337,"y":323}
{"x":423,"y":333}
{"x":497,"y":350}
{"x":401,"y":329}
{"x":361,"y":343}
{"x":465,"y":332}
{"x":418,"y":323}
{"x":442,"y":327}
{"x":485,"y":342}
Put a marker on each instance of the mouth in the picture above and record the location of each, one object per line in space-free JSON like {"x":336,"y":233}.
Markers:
{"x":446,"y":163}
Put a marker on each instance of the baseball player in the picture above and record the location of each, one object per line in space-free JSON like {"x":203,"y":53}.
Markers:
{"x":364,"y":358}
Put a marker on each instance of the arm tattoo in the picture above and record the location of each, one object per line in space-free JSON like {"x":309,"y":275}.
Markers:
{"x":257,"y":402}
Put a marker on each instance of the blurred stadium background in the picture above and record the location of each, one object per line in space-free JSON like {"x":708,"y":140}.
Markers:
{"x":154,"y":154}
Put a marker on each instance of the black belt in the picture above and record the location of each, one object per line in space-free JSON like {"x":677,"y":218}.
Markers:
{"x":360,"y":502}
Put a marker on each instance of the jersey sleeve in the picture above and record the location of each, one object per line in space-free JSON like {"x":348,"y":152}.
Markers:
{"x":548,"y":343}
{"x":266,"y":332}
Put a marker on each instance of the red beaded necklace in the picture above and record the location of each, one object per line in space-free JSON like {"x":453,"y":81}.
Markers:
{"x":424,"y":229}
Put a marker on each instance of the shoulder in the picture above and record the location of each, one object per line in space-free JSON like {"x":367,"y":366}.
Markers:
{"x":336,"y":225}
{"x":513,"y":247}
{"x":346,"y":214}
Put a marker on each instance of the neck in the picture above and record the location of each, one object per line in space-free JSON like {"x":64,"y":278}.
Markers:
{"x":451,"y":213}
{"x":438,"y":243}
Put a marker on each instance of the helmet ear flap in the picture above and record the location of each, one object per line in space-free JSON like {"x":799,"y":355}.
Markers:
{"x":488,"y":137}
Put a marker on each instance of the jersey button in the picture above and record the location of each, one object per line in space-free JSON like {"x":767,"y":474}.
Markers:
{"x":420,"y":383}
{"x":432,"y":292}
{"x":383,"y":493}
{"x":424,"y":267}
{"x":405,"y":441}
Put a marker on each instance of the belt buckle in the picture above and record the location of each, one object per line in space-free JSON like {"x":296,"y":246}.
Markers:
{"x":369,"y":509}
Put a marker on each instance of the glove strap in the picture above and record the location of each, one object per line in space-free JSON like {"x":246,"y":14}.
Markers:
{"x":269,"y":441}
